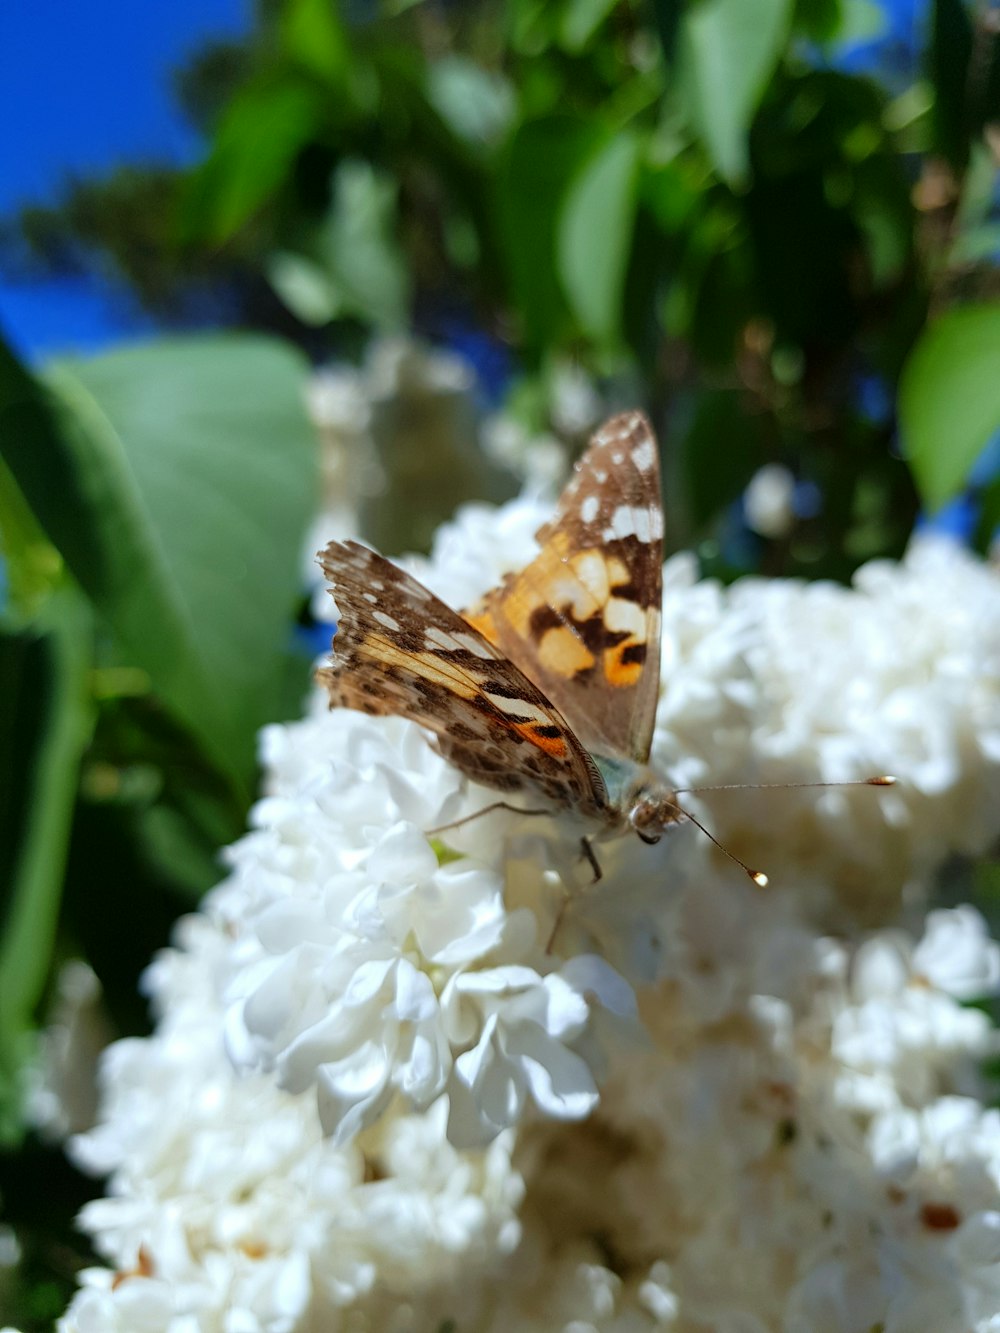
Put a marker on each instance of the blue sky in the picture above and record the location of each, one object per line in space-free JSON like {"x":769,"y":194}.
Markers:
{"x":83,"y":88}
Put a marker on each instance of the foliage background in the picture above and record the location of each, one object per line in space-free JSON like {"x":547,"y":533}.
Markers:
{"x":772,"y":222}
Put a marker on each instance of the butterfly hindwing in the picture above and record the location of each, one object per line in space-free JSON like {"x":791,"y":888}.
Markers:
{"x":401,"y":651}
{"x":582,"y":620}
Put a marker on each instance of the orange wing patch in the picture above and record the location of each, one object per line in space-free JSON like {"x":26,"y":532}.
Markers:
{"x":547,"y":738}
{"x":400,"y":651}
{"x":582,"y":620}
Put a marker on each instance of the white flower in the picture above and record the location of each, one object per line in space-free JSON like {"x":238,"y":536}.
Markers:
{"x":958,"y":956}
{"x":904,"y":1035}
{"x":373,"y":972}
{"x":769,"y":501}
{"x":780,"y":681}
{"x":668,"y":1101}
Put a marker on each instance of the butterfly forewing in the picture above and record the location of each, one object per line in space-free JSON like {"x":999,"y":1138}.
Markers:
{"x":401,"y":651}
{"x":583,"y":619}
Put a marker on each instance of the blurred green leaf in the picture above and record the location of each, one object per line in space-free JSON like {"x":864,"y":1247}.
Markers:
{"x":580,"y":20}
{"x":359,"y":245}
{"x":984,"y":90}
{"x":304,"y":285}
{"x":176,"y":480}
{"x":475,"y":103}
{"x":949,"y":399}
{"x":729,"y":50}
{"x":977,"y":245}
{"x":950,"y":53}
{"x":595,"y":235}
{"x":667,"y":17}
{"x":264,"y":129}
{"x":989,"y":517}
{"x":541,"y":163}
{"x":353,"y":265}
{"x":46,"y":719}
{"x":978,"y":187}
{"x":719,"y":452}
{"x":859,"y":21}
{"x":313,"y":37}
{"x":31,"y":564}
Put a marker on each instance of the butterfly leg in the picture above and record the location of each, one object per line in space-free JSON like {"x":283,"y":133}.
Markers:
{"x":588,"y":851}
{"x":486,"y":810}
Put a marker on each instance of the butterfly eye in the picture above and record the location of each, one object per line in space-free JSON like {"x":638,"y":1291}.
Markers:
{"x":651,"y":838}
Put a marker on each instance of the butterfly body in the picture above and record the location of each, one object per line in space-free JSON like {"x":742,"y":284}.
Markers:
{"x":638,"y":799}
{"x":549,"y":686}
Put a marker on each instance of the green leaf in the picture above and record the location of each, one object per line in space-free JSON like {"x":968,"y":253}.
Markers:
{"x":359,"y":246}
{"x":667,"y":18}
{"x":595,"y":236}
{"x":977,"y":245}
{"x":46,"y":719}
{"x":304,"y":285}
{"x":580,"y":20}
{"x":313,"y":37}
{"x":949,"y":399}
{"x":31,"y":564}
{"x":354,"y":265}
{"x":729,"y":49}
{"x":859,"y":21}
{"x":264,"y":129}
{"x":176,"y":480}
{"x":719,"y":449}
{"x":989,"y":517}
{"x":476,"y":104}
{"x":950,"y":53}
{"x":542,"y":161}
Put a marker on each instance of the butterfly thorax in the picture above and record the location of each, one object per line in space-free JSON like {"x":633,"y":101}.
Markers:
{"x":638,"y":798}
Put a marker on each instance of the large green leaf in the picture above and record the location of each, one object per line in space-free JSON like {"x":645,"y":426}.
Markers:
{"x":729,"y":49}
{"x":46,"y":718}
{"x":595,"y":235}
{"x":176,"y":480}
{"x":949,"y":399}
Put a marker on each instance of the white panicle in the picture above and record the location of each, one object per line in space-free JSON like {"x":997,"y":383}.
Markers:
{"x":411,"y":1082}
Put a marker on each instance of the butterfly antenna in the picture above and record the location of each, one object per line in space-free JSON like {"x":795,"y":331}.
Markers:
{"x":758,"y":876}
{"x":883,"y":780}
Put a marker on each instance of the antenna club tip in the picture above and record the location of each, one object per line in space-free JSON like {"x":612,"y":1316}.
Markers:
{"x":759,"y":878}
{"x":884,"y":780}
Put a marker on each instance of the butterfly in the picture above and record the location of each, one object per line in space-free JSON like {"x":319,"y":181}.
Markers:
{"x":549,"y":686}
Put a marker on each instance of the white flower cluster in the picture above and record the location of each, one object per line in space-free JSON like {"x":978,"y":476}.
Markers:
{"x":671,"y":1100}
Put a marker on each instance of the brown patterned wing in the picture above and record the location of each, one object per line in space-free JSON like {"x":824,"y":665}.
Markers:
{"x":583,"y":619}
{"x":400,"y":651}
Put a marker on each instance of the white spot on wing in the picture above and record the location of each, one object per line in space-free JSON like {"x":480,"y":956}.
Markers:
{"x":518,"y":707}
{"x":369,"y":597}
{"x":386,"y":620}
{"x":618,"y":458}
{"x":644,"y":454}
{"x":437,"y":638}
{"x":644,"y":524}
{"x":589,"y":508}
{"x":473,"y":645}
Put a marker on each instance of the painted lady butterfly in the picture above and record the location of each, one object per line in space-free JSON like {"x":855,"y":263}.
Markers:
{"x":550,"y":684}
